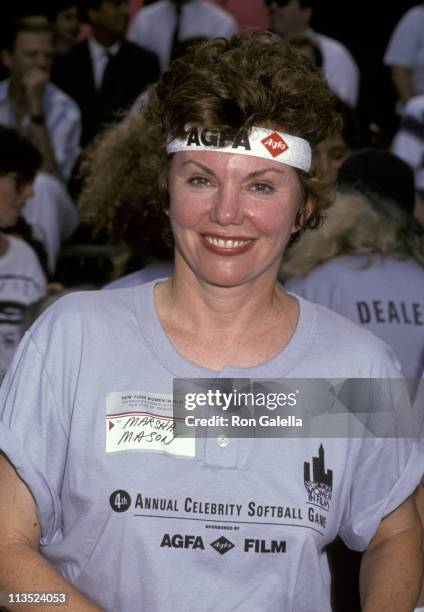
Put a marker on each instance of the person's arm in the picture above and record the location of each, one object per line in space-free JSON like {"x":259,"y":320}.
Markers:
{"x":391,"y":567}
{"x":419,"y":501}
{"x":35,"y":82}
{"x":22,"y":568}
{"x":401,"y":77}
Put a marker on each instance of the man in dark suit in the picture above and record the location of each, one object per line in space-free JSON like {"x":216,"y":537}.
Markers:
{"x":104,"y":73}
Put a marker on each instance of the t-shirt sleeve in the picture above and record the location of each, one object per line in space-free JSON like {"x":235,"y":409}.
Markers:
{"x":399,"y":464}
{"x":229,"y":28}
{"x":32,"y":434}
{"x":408,"y":142}
{"x":342,"y":74}
{"x":405,"y":41}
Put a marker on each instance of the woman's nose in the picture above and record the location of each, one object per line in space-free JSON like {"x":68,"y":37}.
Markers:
{"x":227,"y":206}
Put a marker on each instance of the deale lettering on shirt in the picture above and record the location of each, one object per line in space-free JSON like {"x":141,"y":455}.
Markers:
{"x":379,"y":311}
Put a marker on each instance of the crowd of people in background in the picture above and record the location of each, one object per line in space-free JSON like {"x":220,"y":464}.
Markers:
{"x":72,"y":71}
{"x":76,"y":67}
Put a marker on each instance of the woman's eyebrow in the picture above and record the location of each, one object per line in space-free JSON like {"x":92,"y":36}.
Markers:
{"x":253,"y":174}
{"x":201,"y":166}
{"x":265,"y":171}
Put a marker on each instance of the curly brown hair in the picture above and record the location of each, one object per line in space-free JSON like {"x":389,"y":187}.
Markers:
{"x":226,"y":85}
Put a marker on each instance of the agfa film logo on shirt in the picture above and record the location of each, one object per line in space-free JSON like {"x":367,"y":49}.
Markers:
{"x":195,"y":542}
{"x":275,"y":144}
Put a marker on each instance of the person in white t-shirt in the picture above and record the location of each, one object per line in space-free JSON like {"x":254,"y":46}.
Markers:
{"x":292,"y":17}
{"x":408,"y":144}
{"x":22,"y":280}
{"x":405,"y":54}
{"x":367,"y":260}
{"x":31,"y":103}
{"x":160,"y":26}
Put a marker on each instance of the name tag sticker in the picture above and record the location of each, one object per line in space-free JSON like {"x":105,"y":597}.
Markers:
{"x":143,"y":421}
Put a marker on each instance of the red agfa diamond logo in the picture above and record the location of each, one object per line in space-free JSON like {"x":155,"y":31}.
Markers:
{"x":275,"y":144}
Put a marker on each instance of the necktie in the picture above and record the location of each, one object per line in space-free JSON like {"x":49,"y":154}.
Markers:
{"x":107,"y":71}
{"x":176,"y":35}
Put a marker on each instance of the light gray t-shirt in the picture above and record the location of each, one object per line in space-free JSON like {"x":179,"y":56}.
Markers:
{"x":386,"y":298}
{"x":138,"y":520}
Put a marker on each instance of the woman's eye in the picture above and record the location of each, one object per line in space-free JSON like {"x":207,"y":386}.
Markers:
{"x":338,"y":154}
{"x":199,"y":181}
{"x":262,"y":188}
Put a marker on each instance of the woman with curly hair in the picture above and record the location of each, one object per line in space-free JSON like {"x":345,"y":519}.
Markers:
{"x":113,"y":503}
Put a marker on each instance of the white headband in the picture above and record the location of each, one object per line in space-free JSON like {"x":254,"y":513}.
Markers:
{"x":259,"y":142}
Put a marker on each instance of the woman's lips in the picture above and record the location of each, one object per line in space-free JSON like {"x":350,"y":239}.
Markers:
{"x":227,"y":245}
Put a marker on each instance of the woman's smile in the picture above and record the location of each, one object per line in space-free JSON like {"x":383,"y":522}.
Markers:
{"x":227,"y":245}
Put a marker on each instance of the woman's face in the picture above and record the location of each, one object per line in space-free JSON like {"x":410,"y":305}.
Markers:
{"x":232,"y":215}
{"x":12,"y":198}
{"x":328,"y":156}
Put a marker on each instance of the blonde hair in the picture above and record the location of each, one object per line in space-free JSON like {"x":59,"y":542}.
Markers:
{"x":354,"y":227}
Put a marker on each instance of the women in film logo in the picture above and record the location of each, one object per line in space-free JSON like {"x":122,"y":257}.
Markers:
{"x":320,"y":486}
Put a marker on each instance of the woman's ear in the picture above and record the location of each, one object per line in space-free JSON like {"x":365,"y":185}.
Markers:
{"x":303,"y":215}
